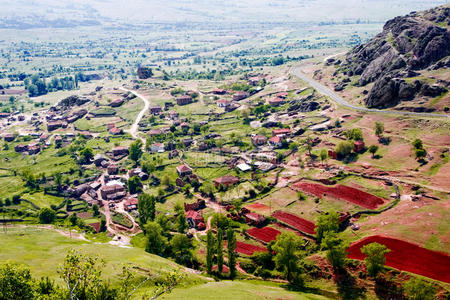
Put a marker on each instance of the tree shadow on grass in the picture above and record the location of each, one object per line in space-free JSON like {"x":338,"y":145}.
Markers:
{"x":348,"y":288}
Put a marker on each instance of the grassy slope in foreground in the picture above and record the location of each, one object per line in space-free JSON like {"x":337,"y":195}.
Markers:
{"x":44,"y":250}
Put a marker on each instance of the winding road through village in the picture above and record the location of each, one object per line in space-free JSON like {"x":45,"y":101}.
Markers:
{"x":336,"y":98}
{"x":134,"y":128}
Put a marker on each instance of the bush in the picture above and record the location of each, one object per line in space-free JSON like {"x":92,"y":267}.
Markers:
{"x":344,"y":148}
{"x":46,"y":215}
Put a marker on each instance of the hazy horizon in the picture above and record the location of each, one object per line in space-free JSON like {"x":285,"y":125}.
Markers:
{"x":53,"y":13}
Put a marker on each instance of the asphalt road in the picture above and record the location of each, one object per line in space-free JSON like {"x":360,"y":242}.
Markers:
{"x":336,"y":98}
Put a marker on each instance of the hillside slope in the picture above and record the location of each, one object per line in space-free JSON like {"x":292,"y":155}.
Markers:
{"x":408,"y":60}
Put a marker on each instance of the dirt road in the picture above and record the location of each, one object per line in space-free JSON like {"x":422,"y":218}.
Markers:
{"x":134,"y":128}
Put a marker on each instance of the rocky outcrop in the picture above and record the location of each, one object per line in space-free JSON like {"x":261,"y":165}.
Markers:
{"x":406,"y":45}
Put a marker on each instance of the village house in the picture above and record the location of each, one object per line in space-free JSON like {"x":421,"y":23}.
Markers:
{"x":155,"y":110}
{"x":194,"y":219}
{"x":157,"y":147}
{"x":222,"y":103}
{"x":112,"y":169}
{"x":276,"y":101}
{"x":200,"y":204}
{"x":4,"y":115}
{"x":283,"y":132}
{"x":130,"y":204}
{"x":155,"y":132}
{"x":120,"y":150}
{"x":276,"y":141}
{"x":9,"y":137}
{"x":183,"y":170}
{"x":33,"y":149}
{"x":226,"y":181}
{"x":240,"y":95}
{"x":219,"y":92}
{"x":173,"y":115}
{"x":115,"y":131}
{"x":244,"y":167}
{"x":187,"y":142}
{"x":254,"y":219}
{"x":332,"y":154}
{"x":173,"y":154}
{"x":54,"y":125}
{"x":116,"y":103}
{"x":20,"y":148}
{"x":111,"y":192}
{"x":259,"y":140}
{"x":43,"y":137}
{"x":358,"y":146}
{"x":254,"y":80}
{"x":99,"y":158}
{"x":183,"y":100}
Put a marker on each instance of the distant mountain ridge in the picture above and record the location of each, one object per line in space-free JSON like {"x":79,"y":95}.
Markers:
{"x":406,"y":46}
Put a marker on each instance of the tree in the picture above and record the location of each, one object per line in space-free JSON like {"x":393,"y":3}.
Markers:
{"x":354,"y":134}
{"x":136,"y":150}
{"x":181,"y":222}
{"x":166,"y":181}
{"x":373,"y":149}
{"x":344,"y":148}
{"x":288,"y":255}
{"x":95,"y":209}
{"x":73,"y":219}
{"x":379,"y":128}
{"x":86,"y":155}
{"x":15,"y":282}
{"x":420,"y":153}
{"x":219,"y":249}
{"x":328,"y":222}
{"x":134,"y":185}
{"x":181,"y":246}
{"x":156,"y":242}
{"x":146,"y":208}
{"x":323,"y":155}
{"x":375,"y":257}
{"x":308,"y":144}
{"x":418,"y":289}
{"x":220,"y":221}
{"x":103,"y":225}
{"x":336,"y":250}
{"x":58,"y":181}
{"x":46,"y":215}
{"x":81,"y":275}
{"x":209,"y":251}
{"x":231,"y":245}
{"x":417,"y":144}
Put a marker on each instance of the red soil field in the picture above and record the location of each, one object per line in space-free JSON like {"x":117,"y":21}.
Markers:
{"x":248,"y":249}
{"x":265,"y":234}
{"x":408,"y":257}
{"x":347,"y":193}
{"x":257,"y":206}
{"x":296,"y":222}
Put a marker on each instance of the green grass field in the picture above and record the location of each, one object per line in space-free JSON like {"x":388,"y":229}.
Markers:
{"x":43,"y":250}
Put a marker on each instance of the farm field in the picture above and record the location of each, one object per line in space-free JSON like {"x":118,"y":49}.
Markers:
{"x":408,"y":257}
{"x":346,"y":193}
{"x":295,"y":222}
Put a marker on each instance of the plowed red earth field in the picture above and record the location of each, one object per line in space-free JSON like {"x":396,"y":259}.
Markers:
{"x":408,"y":257}
{"x":296,"y":222}
{"x":265,"y":234}
{"x":343,"y":192}
{"x":248,"y":249}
